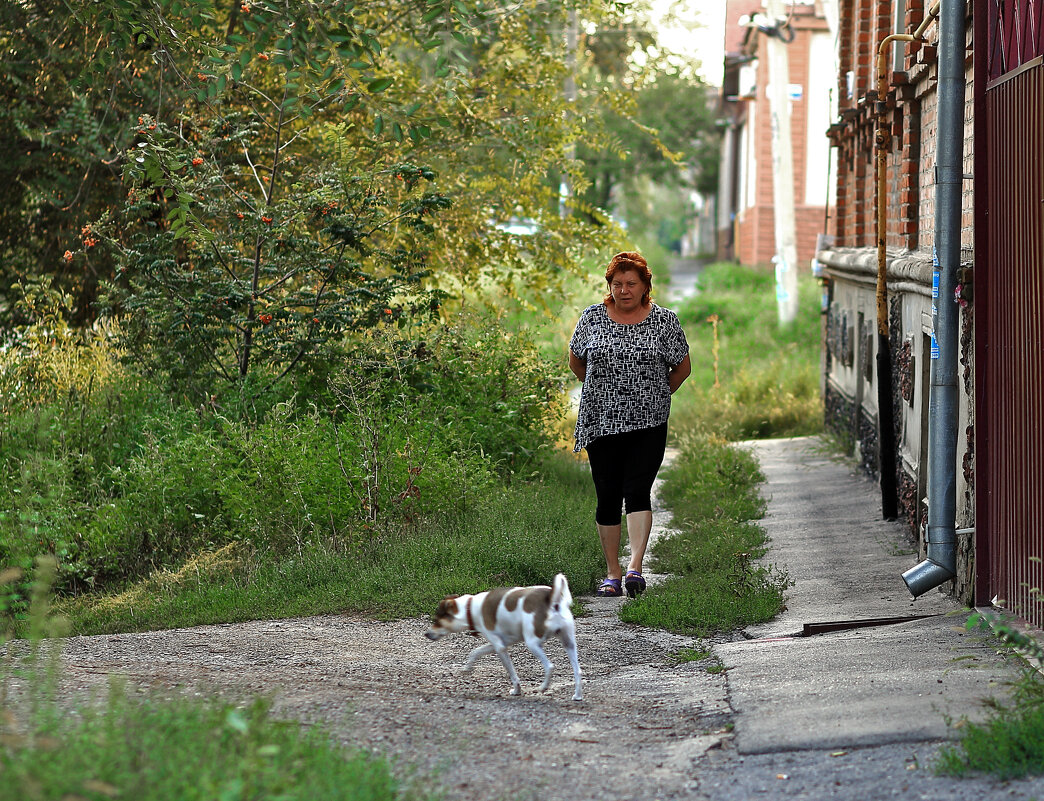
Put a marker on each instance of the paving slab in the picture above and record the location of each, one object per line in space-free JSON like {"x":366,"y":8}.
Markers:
{"x":825,"y":527}
{"x":860,"y":685}
{"x":868,"y":687}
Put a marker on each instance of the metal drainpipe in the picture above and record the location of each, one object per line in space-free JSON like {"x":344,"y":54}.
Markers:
{"x":941,"y":564}
{"x":883,"y":139}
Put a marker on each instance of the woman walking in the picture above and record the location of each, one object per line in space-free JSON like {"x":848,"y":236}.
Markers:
{"x":631,"y":356}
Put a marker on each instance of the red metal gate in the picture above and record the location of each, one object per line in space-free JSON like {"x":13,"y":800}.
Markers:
{"x":1014,"y":34}
{"x":1010,"y":313}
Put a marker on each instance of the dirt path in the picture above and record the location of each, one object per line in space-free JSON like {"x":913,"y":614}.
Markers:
{"x":383,"y":686}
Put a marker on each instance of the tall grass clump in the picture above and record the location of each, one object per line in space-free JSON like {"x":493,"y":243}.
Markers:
{"x":421,"y":432}
{"x":522,"y":532}
{"x":752,"y":378}
{"x":1009,"y":743}
{"x":716,"y":584}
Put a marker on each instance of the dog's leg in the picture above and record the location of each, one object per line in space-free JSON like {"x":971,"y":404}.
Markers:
{"x":568,"y":638}
{"x":498,"y":645}
{"x":534,"y":644}
{"x":477,"y":654}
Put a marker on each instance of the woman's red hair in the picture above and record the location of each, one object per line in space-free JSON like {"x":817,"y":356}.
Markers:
{"x":623,"y":262}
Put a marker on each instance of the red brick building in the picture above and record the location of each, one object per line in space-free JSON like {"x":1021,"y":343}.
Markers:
{"x":944,"y":101}
{"x":746,"y":219}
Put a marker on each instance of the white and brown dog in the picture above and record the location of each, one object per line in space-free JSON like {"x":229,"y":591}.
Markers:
{"x":506,"y":616}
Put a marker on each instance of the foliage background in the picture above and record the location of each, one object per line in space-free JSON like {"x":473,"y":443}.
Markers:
{"x":286,"y":278}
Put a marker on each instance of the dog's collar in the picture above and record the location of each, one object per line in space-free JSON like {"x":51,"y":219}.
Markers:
{"x":471,"y":620}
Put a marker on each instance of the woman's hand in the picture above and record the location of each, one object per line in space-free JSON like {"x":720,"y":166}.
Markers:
{"x":579,"y":366}
{"x":677,"y":375}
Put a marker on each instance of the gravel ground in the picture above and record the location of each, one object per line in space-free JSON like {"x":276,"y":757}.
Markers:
{"x":648,"y":727}
{"x":644,"y":722}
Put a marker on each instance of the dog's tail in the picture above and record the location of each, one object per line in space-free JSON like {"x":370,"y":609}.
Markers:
{"x":560,"y":595}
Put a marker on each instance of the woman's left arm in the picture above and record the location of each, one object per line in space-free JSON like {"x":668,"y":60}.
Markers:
{"x":677,"y":374}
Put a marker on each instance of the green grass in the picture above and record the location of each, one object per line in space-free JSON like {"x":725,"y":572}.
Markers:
{"x":157,"y":749}
{"x":713,"y":665}
{"x":508,"y":530}
{"x":1009,"y":744}
{"x":767,"y":375}
{"x":715,"y":585}
{"x":516,"y":534}
{"x":683,"y":655}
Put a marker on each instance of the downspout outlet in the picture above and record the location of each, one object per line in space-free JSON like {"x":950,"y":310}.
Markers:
{"x":941,"y":564}
{"x":938,"y":568}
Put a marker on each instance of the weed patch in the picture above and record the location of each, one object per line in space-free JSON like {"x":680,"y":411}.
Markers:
{"x":1009,"y":744}
{"x":763,"y":379}
{"x":716,"y":584}
{"x":155,"y":749}
{"x":515,"y":534}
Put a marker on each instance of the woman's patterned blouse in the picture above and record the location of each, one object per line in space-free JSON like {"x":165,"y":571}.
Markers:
{"x":625,"y":386}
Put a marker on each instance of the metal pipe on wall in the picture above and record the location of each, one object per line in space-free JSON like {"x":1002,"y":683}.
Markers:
{"x":882,"y":140}
{"x":941,"y":563}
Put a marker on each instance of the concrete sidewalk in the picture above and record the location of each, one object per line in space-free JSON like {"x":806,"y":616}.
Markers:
{"x":798,"y":696}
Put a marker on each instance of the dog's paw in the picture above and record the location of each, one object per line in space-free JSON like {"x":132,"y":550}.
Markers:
{"x":578,"y":697}
{"x":516,"y":690}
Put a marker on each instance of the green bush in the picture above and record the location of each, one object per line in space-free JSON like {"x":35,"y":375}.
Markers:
{"x":296,"y":478}
{"x":118,"y":480}
{"x":167,"y":504}
{"x":72,"y":418}
{"x":490,"y":384}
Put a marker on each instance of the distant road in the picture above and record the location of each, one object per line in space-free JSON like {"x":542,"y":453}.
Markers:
{"x":684,"y":273}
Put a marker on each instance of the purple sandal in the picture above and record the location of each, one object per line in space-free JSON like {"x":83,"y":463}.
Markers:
{"x":634,"y":583}
{"x":610,"y":588}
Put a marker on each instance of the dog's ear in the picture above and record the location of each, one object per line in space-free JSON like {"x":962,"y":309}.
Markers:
{"x":448,"y":605}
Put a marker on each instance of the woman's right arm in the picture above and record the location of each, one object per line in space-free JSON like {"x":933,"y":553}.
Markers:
{"x":578,"y":366}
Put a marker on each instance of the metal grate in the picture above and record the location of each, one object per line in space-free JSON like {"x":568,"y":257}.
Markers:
{"x":1012,"y":397}
{"x":1015,"y":34}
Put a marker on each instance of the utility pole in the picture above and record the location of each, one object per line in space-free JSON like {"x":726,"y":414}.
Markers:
{"x":782,"y":166}
{"x":565,"y":189}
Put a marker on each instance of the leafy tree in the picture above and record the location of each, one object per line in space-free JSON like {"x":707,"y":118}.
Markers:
{"x":65,"y":91}
{"x":391,"y":74}
{"x":504,"y":133}
{"x":252,"y":237}
{"x":277,"y":111}
{"x":665,"y":134}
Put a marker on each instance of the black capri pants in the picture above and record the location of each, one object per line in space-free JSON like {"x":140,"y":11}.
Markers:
{"x":624,"y":467}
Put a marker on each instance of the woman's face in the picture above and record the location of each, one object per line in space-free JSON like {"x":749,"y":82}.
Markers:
{"x":627,"y":288}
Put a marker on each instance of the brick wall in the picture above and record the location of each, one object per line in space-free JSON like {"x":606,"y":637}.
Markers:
{"x":755,"y":225}
{"x":911,"y":122}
